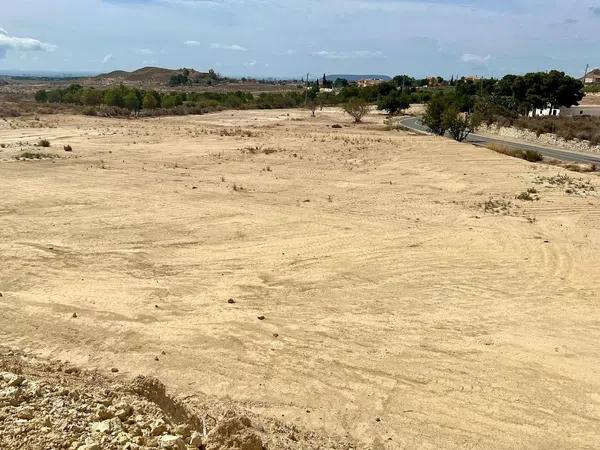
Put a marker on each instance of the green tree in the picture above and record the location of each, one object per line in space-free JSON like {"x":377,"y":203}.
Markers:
{"x":41,"y":96}
{"x":55,"y":96}
{"x":131,"y":101}
{"x":459,"y":125}
{"x":434,"y":114}
{"x":150,"y":101}
{"x":393,"y":102}
{"x":91,"y":97}
{"x":340,"y":83}
{"x":113,"y":97}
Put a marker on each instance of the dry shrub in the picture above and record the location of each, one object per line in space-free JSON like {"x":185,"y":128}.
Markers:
{"x":528,"y":155}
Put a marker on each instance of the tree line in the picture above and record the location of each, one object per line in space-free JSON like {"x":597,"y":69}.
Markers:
{"x":472,"y":102}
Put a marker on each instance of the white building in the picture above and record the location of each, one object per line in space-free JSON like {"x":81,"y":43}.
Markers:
{"x":573,"y":111}
{"x":549,"y":111}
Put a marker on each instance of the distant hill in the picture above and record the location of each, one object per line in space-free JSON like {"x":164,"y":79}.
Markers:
{"x":156,"y":75}
{"x":357,"y":77}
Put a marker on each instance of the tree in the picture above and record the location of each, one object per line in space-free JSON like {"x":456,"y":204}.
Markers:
{"x":404,"y":81}
{"x":312,"y":106}
{"x":131,"y":101}
{"x":150,"y":101}
{"x":434,"y":115}
{"x":340,"y":83}
{"x":458,"y":124}
{"x":91,"y":97}
{"x":357,"y":109}
{"x":113,"y":97}
{"x":55,"y":96}
{"x":393,"y":102}
{"x":540,"y":90}
{"x":41,"y":96}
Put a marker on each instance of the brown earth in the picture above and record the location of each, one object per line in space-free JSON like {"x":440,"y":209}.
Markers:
{"x":409,"y":300}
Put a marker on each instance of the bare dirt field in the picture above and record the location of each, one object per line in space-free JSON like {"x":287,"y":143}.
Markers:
{"x":388,"y":288}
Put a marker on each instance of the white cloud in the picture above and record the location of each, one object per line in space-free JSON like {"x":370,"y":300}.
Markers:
{"x":192,"y":43}
{"x":107,"y":58}
{"x":251,"y":63}
{"x":355,"y":54}
{"x":8,"y":42}
{"x":471,"y":58}
{"x":234,"y":47}
{"x":143,"y":51}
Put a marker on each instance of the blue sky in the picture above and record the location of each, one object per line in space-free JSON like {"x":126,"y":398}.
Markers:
{"x":288,"y":38}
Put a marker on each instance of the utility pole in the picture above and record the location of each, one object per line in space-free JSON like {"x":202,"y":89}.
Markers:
{"x":306,"y":93}
{"x":587,"y":66}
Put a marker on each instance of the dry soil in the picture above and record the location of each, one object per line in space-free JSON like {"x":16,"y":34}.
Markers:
{"x":408,"y":298}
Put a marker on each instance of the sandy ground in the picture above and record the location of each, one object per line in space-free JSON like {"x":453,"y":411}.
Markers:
{"x":398,"y":312}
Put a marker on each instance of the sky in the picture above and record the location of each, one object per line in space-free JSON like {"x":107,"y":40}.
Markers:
{"x":290,"y":38}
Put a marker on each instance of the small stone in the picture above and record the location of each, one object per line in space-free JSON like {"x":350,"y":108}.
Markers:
{"x":123,"y":438}
{"x":91,"y":446}
{"x":25,"y":413}
{"x":377,"y":419}
{"x":107,"y":426}
{"x":114,"y":370}
{"x":158,"y":428}
{"x":135,"y":431}
{"x":156,"y":358}
{"x":172,"y":442}
{"x":103,"y":414}
{"x":74,"y":316}
{"x":231,"y":301}
{"x":196,"y":440}
{"x":124,"y":411}
{"x":261,"y":317}
{"x":275,"y":335}
{"x":183,"y":430}
{"x":16,"y":380}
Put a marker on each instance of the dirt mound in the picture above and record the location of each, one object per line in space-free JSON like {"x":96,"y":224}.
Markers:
{"x":233,"y":432}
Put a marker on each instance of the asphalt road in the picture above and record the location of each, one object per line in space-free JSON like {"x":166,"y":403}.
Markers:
{"x":415,"y":124}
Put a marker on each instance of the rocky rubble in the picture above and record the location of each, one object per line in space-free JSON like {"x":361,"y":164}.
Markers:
{"x":543,"y":139}
{"x":54,"y":412}
{"x":52,"y":405}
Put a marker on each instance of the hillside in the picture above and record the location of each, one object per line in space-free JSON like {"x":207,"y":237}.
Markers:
{"x":157,"y":75}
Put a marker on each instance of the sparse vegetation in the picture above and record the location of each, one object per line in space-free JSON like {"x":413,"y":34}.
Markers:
{"x":497,"y":206}
{"x":44,"y":143}
{"x":571,"y":185}
{"x":529,"y":155}
{"x":529,"y":195}
{"x":357,"y":109}
{"x":35,"y":155}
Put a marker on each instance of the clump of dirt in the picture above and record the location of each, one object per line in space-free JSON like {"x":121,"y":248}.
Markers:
{"x":233,"y":432}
